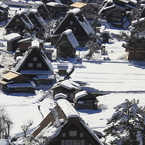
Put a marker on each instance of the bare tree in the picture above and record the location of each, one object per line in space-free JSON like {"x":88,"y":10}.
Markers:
{"x":93,"y":47}
{"x":26,"y":126}
{"x":5,"y":124}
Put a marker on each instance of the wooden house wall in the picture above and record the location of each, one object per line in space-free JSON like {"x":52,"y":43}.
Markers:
{"x":43,"y":81}
{"x":86,"y":105}
{"x":74,"y":133}
{"x":89,"y":12}
{"x":20,"y":90}
{"x":24,"y":46}
{"x":3,"y":16}
{"x":17,"y":23}
{"x":87,"y":102}
{"x":21,"y":79}
{"x":136,"y":55}
{"x":56,"y":11}
{"x":12,"y":45}
{"x":35,"y":53}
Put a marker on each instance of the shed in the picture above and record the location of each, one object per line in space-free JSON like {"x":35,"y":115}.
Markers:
{"x":66,"y":87}
{"x":85,"y":100}
{"x":12,"y":41}
{"x":13,"y":82}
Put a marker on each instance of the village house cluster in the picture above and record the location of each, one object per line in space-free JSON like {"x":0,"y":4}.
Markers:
{"x":43,"y":28}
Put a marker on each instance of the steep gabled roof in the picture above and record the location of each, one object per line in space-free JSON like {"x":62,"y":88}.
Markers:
{"x":34,"y":49}
{"x":82,"y":21}
{"x":37,"y":16}
{"x":59,"y":117}
{"x":22,"y":15}
{"x":70,"y":37}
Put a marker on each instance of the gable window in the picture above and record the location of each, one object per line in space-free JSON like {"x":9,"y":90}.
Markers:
{"x":81,"y":135}
{"x":30,"y":64}
{"x":64,"y":135}
{"x":71,"y":22}
{"x":32,"y":19}
{"x":34,"y":58}
{"x":39,"y":65}
{"x":72,"y":133}
{"x":17,"y":20}
{"x":73,"y":142}
{"x":75,"y":28}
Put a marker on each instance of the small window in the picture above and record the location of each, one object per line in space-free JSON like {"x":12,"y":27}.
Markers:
{"x":34,"y":58}
{"x":32,"y":19}
{"x":30,"y":64}
{"x":72,"y":133}
{"x":64,"y":135}
{"x":17,"y":20}
{"x":62,"y":142}
{"x":75,"y":28}
{"x":39,"y":65}
{"x":71,"y":22}
{"x":81,"y":134}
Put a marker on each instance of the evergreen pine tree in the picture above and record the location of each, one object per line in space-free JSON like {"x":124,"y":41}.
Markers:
{"x":127,"y":124}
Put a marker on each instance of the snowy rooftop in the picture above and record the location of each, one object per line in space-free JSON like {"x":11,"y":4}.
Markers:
{"x":80,"y":94}
{"x":12,"y":36}
{"x":54,"y":4}
{"x":67,"y":108}
{"x":20,"y":12}
{"x":60,"y":95}
{"x":69,"y":85}
{"x":33,"y":11}
{"x":35,"y":43}
{"x":136,"y":21}
{"x":71,"y":38}
{"x":74,"y":11}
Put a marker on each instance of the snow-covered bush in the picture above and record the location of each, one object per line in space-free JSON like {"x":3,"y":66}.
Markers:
{"x":127,"y":124}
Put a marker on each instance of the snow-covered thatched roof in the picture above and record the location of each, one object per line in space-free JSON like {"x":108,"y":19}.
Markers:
{"x":38,"y":17}
{"x":35,"y":46}
{"x":80,"y":94}
{"x":70,"y":37}
{"x":68,"y":84}
{"x":83,"y":22}
{"x":60,"y":95}
{"x":59,"y":117}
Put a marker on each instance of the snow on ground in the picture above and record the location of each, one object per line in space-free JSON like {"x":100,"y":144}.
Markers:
{"x":111,"y":73}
